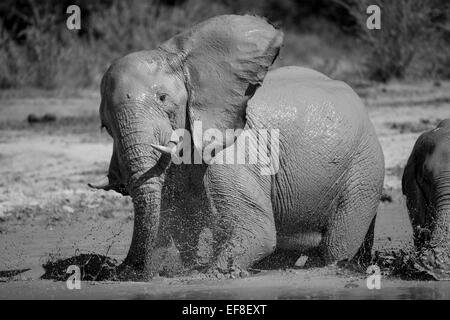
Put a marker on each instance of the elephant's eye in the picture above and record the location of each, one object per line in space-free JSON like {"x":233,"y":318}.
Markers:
{"x":162,"y":97}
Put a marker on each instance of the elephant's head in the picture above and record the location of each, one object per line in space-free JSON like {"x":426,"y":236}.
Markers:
{"x":426,"y":183}
{"x":206,"y":74}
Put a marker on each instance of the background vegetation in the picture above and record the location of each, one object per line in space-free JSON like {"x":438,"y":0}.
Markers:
{"x":37,"y":50}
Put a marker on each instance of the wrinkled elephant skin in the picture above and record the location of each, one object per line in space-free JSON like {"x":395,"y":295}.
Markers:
{"x":320,"y":194}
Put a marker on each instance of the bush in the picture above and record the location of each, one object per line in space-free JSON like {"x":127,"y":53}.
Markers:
{"x":408,"y":39}
{"x":137,"y":25}
{"x":48,"y":55}
{"x":36,"y":48}
{"x":11,"y":61}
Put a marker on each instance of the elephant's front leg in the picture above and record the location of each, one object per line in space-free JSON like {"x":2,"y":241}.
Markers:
{"x":243,"y":221}
{"x":184,"y":205}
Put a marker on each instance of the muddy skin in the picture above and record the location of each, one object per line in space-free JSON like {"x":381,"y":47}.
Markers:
{"x":320,"y":191}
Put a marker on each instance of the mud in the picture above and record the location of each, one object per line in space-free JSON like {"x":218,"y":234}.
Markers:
{"x":49,"y":215}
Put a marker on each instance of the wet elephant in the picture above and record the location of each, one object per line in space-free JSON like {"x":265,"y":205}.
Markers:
{"x":426,"y":185}
{"x":313,"y":186}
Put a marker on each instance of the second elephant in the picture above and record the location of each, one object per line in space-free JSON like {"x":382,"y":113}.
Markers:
{"x":426,"y":185}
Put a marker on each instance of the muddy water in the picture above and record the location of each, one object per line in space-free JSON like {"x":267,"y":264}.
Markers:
{"x":267,"y":287}
{"x":393,"y":229}
{"x":30,"y":247}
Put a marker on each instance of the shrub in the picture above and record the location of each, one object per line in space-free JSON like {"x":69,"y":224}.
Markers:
{"x":12,"y":58}
{"x":36,"y":49}
{"x":47,"y":55}
{"x":408,"y":31}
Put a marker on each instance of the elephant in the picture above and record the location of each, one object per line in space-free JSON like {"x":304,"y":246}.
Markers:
{"x":324,"y":168}
{"x":426,"y":185}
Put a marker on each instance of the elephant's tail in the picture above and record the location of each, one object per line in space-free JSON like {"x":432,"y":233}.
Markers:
{"x":300,"y":241}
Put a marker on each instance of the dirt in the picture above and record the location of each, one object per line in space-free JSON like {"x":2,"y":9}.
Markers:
{"x":48,"y":213}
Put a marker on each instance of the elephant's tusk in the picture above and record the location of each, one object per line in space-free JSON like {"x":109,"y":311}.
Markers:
{"x":101,"y":184}
{"x":163,"y":149}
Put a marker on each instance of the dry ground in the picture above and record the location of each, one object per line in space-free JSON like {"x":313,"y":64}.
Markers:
{"x":48,"y":212}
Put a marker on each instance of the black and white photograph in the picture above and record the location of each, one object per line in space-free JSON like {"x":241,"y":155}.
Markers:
{"x":224,"y":150}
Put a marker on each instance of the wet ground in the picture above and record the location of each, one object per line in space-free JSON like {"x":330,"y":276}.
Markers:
{"x":274,"y":285}
{"x":47,"y":211}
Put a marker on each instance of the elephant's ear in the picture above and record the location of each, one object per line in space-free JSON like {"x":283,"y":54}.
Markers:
{"x":224,"y":60}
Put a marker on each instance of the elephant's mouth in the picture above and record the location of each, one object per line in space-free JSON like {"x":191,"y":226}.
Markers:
{"x":133,"y":183}
{"x":121,"y":188}
{"x":157,"y":170}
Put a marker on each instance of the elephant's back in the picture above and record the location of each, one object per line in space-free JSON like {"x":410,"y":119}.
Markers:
{"x":305,"y":104}
{"x":322,"y":124}
{"x":293,"y":74}
{"x":305,"y":92}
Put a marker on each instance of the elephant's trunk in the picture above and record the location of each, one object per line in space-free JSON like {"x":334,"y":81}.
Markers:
{"x":441,"y":223}
{"x":147,"y":202}
{"x":145,"y":169}
{"x":145,"y":190}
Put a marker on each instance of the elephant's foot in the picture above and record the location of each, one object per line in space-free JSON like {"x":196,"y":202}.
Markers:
{"x":126,"y":272}
{"x":163,"y":261}
{"x":213,"y":273}
{"x":218,"y":270}
{"x":230,"y":273}
{"x":235,"y":256}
